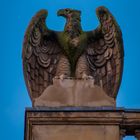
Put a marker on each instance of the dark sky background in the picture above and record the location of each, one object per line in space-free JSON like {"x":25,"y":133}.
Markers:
{"x":14,"y":19}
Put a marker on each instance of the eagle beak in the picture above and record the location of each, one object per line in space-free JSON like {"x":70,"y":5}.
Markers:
{"x":60,"y":12}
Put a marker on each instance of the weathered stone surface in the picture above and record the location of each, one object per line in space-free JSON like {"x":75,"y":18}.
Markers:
{"x":73,"y":52}
{"x":137,"y":134}
{"x":80,"y":123}
{"x":71,"y":92}
{"x":75,"y":132}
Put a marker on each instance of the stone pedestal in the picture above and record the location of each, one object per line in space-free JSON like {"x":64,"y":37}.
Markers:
{"x":75,"y":132}
{"x":80,"y":123}
{"x":122,"y":134}
{"x":137,"y":134}
{"x":71,"y":92}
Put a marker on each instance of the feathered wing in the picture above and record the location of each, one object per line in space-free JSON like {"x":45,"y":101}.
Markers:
{"x":105,"y":53}
{"x":41,"y":52}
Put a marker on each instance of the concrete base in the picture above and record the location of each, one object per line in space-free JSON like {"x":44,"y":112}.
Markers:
{"x":72,"y":123}
{"x":71,"y":92}
{"x":75,"y":132}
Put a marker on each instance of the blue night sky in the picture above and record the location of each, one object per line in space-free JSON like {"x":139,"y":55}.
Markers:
{"x":14,"y":18}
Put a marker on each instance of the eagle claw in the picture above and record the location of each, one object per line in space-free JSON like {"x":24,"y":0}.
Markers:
{"x":61,"y":77}
{"x":87,"y":77}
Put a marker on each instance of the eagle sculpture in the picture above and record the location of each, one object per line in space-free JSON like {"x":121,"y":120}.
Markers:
{"x":73,"y":53}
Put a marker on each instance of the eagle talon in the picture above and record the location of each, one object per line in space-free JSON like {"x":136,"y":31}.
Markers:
{"x":87,"y":77}
{"x":61,"y":77}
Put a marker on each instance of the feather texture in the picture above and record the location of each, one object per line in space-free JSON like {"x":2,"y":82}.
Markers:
{"x":73,"y":52}
{"x":105,"y":53}
{"x":41,"y":53}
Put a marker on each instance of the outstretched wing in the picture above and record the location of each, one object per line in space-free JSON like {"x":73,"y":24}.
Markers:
{"x":105,"y":53}
{"x":41,"y":52}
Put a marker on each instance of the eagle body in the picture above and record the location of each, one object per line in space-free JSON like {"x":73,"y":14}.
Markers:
{"x":73,"y":39}
{"x":73,"y":48}
{"x":74,"y":53}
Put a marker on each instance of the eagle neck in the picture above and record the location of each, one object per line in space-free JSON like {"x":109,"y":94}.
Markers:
{"x":73,"y":26}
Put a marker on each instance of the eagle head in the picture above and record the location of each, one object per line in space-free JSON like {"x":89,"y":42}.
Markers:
{"x":67,"y":13}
